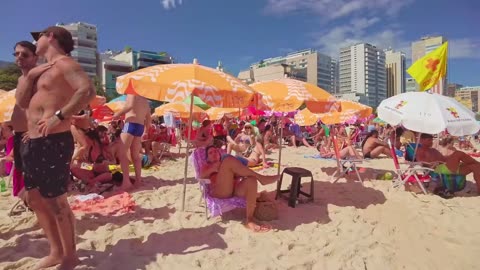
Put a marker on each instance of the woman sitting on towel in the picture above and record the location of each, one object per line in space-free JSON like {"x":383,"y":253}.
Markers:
{"x":230,"y":177}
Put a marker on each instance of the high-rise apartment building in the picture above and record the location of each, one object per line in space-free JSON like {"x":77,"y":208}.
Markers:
{"x":469,"y":97}
{"x":411,"y":85}
{"x":452,"y":88}
{"x":421,"y":48}
{"x":114,"y":64}
{"x":306,"y":65}
{"x":362,"y":71}
{"x":85,"y":41}
{"x":396,"y":73}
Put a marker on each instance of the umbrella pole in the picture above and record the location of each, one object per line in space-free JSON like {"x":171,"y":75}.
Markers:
{"x":280,"y":145}
{"x":186,"y":154}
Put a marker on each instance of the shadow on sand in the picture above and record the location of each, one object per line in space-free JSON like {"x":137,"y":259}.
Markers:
{"x":352,"y":194}
{"x":137,"y":253}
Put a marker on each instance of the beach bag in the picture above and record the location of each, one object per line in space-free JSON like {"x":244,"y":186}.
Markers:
{"x":266,"y":209}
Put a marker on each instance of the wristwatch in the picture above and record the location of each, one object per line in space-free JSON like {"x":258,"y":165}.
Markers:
{"x":59,"y":115}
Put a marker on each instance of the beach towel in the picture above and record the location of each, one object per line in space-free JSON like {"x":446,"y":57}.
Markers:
{"x":113,"y":206}
{"x":318,"y":156}
{"x":260,"y":167}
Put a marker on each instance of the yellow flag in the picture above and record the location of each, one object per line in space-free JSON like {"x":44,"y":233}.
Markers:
{"x":428,"y":70}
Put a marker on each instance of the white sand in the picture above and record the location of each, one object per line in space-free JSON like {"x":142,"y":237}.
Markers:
{"x":348,"y":226}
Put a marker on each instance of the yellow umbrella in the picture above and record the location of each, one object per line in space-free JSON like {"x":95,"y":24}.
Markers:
{"x":286,"y":95}
{"x":180,"y":110}
{"x":175,"y":82}
{"x":306,"y":118}
{"x":7,"y":103}
{"x":116,"y":106}
{"x":217,"y":113}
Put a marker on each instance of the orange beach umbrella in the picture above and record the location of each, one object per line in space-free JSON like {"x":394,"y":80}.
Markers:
{"x":180,"y":110}
{"x":217,"y":113}
{"x":7,"y":103}
{"x":175,"y":82}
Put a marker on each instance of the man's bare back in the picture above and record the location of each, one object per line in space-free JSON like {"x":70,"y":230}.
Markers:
{"x":53,"y":93}
{"x":140,"y":109}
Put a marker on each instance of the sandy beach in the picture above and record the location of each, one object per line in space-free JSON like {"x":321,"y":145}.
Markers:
{"x":348,"y":226}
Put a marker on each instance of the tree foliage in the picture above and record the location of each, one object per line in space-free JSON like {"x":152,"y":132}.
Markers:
{"x":99,"y":88}
{"x":9,"y":77}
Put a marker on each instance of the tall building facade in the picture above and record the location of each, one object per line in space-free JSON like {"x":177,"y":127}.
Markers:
{"x":452,"y":88}
{"x":421,"y":48}
{"x":114,"y":64}
{"x":411,"y":85}
{"x":362,"y":71}
{"x":469,"y":97}
{"x":396,"y":73}
{"x":306,"y":65}
{"x":85,"y":45}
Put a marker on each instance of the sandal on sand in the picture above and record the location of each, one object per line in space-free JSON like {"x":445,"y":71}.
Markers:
{"x":18,"y":208}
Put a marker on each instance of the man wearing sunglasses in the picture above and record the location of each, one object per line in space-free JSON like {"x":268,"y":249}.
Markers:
{"x":25,"y":59}
{"x":52,"y":93}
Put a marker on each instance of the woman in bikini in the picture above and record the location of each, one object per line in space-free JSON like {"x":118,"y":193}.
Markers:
{"x":229,"y":177}
{"x":80,"y":128}
{"x":244,"y":142}
{"x":204,"y":137}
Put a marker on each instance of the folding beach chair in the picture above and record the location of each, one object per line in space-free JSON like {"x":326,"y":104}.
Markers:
{"x":415,"y":172}
{"x":213,"y":206}
{"x":344,"y":166}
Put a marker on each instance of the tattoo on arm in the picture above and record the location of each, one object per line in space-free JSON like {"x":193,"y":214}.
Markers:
{"x":84,"y":91}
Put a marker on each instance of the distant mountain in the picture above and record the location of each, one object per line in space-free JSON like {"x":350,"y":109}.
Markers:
{"x":5,"y":63}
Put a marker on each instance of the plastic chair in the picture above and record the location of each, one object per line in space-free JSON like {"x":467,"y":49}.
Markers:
{"x":213,"y":206}
{"x":344,"y":166}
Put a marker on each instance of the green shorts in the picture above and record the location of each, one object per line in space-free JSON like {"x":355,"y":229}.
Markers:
{"x":443,"y":169}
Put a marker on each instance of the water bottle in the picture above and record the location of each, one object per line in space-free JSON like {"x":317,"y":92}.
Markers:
{"x":3,"y":185}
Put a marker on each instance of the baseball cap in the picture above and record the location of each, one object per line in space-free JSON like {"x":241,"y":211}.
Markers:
{"x":63,"y":36}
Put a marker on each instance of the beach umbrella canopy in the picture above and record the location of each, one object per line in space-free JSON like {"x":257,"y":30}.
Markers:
{"x":175,"y":82}
{"x":286,"y":95}
{"x":349,"y":113}
{"x":115,"y":106}
{"x":180,"y":110}
{"x":217,"y":113}
{"x":428,"y":113}
{"x":7,"y":103}
{"x":197,"y":102}
{"x":306,"y":118}
{"x":97,"y":102}
{"x":102,"y":113}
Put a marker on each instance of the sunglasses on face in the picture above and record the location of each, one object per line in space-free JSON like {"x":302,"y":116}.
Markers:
{"x":22,"y":54}
{"x":248,"y":128}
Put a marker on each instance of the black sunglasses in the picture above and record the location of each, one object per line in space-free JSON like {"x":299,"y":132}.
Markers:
{"x":22,"y":54}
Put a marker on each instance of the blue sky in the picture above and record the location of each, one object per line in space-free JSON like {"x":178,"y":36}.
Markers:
{"x":242,"y":32}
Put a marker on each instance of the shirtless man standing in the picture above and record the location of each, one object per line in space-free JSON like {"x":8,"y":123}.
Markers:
{"x":26,"y":59}
{"x":51,"y":93}
{"x":137,"y":121}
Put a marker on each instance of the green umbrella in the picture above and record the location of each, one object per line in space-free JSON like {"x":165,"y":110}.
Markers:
{"x":197,"y":102}
{"x":378,"y":120}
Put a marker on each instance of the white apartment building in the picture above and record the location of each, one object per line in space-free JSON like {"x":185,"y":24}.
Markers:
{"x":363,"y":72}
{"x":396,"y":72}
{"x":85,"y":45}
{"x":305,"y":65}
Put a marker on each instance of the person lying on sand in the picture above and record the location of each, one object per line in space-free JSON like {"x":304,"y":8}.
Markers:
{"x":225,"y":172}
